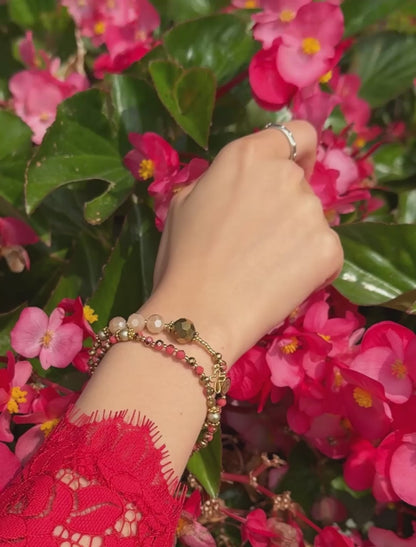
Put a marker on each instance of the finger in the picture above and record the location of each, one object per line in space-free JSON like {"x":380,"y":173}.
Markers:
{"x":273,"y":142}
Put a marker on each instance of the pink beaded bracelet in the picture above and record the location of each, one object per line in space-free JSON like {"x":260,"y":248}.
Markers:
{"x":214,"y":387}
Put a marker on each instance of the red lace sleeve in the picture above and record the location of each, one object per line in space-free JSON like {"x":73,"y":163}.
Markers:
{"x":94,"y":483}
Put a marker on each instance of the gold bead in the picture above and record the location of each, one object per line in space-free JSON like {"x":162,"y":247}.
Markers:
{"x":183,"y":330}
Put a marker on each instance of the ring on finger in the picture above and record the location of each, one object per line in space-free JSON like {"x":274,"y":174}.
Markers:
{"x":289,"y":136}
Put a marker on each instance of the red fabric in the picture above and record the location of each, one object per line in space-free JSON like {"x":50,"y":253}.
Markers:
{"x":94,"y":483}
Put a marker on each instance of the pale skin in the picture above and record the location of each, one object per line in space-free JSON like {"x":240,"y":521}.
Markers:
{"x":242,"y":247}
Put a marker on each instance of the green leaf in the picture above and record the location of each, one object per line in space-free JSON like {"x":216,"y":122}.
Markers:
{"x":386,"y":64}
{"x":406,"y":302}
{"x":7,"y":322}
{"x":406,"y":209}
{"x":181,"y":10}
{"x":188,"y":95}
{"x":393,"y":163}
{"x":15,"y":150}
{"x":380,"y":262}
{"x":222,"y":43}
{"x":27,"y":12}
{"x":137,"y":106}
{"x":359,"y":14}
{"x":127,"y":277}
{"x":79,"y":146}
{"x":206,"y":465}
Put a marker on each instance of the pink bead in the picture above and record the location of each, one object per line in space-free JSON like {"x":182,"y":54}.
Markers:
{"x":158,"y":345}
{"x":221,"y":401}
{"x":136,"y":322}
{"x":113,"y":340}
{"x":180,"y":354}
{"x":117,"y":323}
{"x":211,"y":428}
{"x":170,"y":349}
{"x":199,"y":370}
{"x":155,"y":324}
{"x":148,"y":340}
{"x":209,"y":437}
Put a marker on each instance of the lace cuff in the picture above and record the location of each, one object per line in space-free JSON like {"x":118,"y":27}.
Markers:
{"x":97,"y":481}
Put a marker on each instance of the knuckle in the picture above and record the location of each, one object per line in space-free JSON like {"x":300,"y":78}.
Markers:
{"x":309,"y":130}
{"x":240,"y":149}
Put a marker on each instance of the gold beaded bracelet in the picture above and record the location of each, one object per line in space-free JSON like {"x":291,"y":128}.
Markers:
{"x":183,"y":331}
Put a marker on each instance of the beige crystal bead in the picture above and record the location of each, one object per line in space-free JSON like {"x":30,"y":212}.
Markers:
{"x":136,"y":322}
{"x":155,"y":323}
{"x":116,"y":324}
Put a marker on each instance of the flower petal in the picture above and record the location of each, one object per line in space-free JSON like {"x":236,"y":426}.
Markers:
{"x":26,"y":335}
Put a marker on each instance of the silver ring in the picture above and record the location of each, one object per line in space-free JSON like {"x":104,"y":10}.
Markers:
{"x":288,"y":134}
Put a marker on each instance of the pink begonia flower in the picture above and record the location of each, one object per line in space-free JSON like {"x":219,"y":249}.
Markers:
{"x":37,"y":94}
{"x":403,"y":470}
{"x":79,"y":314}
{"x":382,"y":487}
{"x":164,"y":189}
{"x":151,"y":158}
{"x":56,"y":343}
{"x":272,"y":22}
{"x":359,"y":468}
{"x":332,"y":537}
{"x":15,"y":233}
{"x":387,"y":538}
{"x":256,"y":530}
{"x":47,"y":410}
{"x":331,"y":435}
{"x":309,"y":43}
{"x":189,"y":531}
{"x":269,"y":88}
{"x":9,"y":465}
{"x":16,"y":395}
{"x":388,"y":355}
{"x":249,"y":374}
{"x":346,"y":88}
{"x":314,"y":105}
{"x":329,"y":510}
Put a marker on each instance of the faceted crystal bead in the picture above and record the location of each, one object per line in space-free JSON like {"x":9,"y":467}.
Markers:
{"x":155,"y":324}
{"x":183,"y":330}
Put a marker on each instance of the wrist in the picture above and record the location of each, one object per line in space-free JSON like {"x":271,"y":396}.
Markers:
{"x":208,"y":323}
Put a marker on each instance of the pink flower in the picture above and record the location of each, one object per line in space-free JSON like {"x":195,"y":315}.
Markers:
{"x":256,"y":530}
{"x":314,"y":105}
{"x":9,"y":465}
{"x":359,"y":468}
{"x":332,"y":537}
{"x":273,"y":21}
{"x":163,"y":189}
{"x":15,"y":395}
{"x":387,"y":538}
{"x":270,"y":90}
{"x":152,"y":157}
{"x":189,"y":531}
{"x":13,"y":234}
{"x":309,"y":43}
{"x":47,"y":410}
{"x":388,"y":355}
{"x":355,"y":109}
{"x":56,"y":343}
{"x":37,"y":94}
{"x":329,"y":510}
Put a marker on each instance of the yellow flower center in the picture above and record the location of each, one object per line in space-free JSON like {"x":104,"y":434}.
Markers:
{"x":89,"y":314}
{"x":310,"y":46}
{"x":47,"y":339}
{"x":99,"y":28}
{"x":338,"y":379}
{"x":44,"y":116}
{"x":48,"y":426}
{"x":17,"y":396}
{"x":325,"y":337}
{"x":146,"y":169}
{"x":362,"y":397}
{"x":325,"y":78}
{"x":346,"y":424}
{"x":286,"y":15}
{"x":399,"y":369}
{"x":360,"y":142}
{"x":251,"y":4}
{"x":291,"y":346}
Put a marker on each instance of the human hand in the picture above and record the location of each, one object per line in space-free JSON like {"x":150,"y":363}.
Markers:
{"x":247,"y":243}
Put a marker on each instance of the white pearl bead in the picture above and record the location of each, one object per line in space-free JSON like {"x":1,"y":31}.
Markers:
{"x":116,"y":324}
{"x":123,"y":335}
{"x":136,"y":322}
{"x":213,"y":417}
{"x":155,"y":324}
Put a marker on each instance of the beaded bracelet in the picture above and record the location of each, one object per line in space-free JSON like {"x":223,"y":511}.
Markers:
{"x":215,"y":386}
